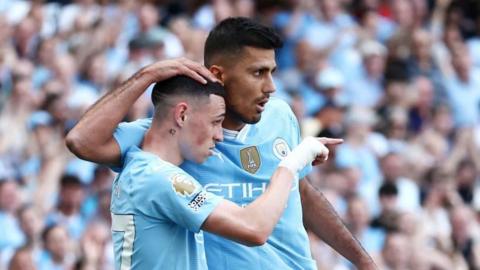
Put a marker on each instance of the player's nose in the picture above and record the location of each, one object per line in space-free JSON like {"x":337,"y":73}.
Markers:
{"x":218,"y":135}
{"x":269,"y":85}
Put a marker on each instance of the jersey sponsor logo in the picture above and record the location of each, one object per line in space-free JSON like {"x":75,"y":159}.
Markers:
{"x":182,"y":185}
{"x":198,"y":201}
{"x":250,"y":159}
{"x":280,"y":148}
{"x":239,"y":191}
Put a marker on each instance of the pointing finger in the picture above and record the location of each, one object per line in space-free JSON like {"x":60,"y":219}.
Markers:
{"x":330,"y":141}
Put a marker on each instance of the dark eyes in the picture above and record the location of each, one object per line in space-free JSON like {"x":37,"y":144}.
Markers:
{"x":261,"y":72}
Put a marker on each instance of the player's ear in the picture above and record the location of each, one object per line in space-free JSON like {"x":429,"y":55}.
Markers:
{"x":180,"y":113}
{"x":218,"y":72}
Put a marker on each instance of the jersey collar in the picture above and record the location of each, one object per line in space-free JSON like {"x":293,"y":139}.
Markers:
{"x":239,"y":136}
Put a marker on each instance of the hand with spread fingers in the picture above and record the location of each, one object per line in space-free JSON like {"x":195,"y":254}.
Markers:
{"x":165,"y":69}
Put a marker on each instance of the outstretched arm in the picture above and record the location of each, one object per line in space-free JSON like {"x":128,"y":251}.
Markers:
{"x":92,"y":138}
{"x":320,"y":217}
{"x":253,"y":224}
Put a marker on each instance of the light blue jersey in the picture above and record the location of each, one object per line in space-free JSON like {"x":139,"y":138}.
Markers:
{"x":156,"y":210}
{"x":240,"y":171}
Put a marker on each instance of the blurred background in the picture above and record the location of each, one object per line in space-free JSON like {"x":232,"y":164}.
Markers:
{"x":397,"y":79}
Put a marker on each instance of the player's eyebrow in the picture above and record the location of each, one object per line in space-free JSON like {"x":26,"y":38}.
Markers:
{"x":263,"y":67}
{"x":221,"y":115}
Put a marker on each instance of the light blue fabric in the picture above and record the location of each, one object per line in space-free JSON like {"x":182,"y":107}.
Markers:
{"x":45,"y":262}
{"x":372,"y":240}
{"x":464,"y":99}
{"x":474,"y":50}
{"x":83,"y":169}
{"x":385,"y":29}
{"x":363,"y":159}
{"x":313,"y":100}
{"x":166,"y":207}
{"x":11,"y":236}
{"x":262,"y":146}
{"x":40,"y":76}
{"x":322,"y":34}
{"x":363,"y":92}
{"x":75,"y":224}
{"x":285,"y":56}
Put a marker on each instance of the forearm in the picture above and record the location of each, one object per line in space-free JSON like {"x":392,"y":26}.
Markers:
{"x":92,"y":137}
{"x":253,"y":224}
{"x":95,"y":129}
{"x":267,"y":209}
{"x":320,"y":217}
{"x":99,"y":122}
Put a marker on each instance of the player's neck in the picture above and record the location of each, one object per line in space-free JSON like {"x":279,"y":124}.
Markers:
{"x":231,"y":123}
{"x":161,"y":142}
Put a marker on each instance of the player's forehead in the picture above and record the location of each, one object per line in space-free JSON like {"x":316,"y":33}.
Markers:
{"x":257,"y":58}
{"x":216,"y":106}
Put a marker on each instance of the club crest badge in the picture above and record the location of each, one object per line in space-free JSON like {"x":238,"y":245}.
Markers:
{"x":280,"y":148}
{"x":182,"y":185}
{"x":250,"y":159}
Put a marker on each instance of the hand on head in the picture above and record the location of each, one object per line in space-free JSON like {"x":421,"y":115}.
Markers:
{"x":165,"y":69}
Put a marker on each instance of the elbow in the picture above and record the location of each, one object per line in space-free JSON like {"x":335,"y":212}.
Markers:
{"x":73,"y":143}
{"x":85,"y":147}
{"x":256,"y":237}
{"x":257,"y":240}
{"x":256,"y":228}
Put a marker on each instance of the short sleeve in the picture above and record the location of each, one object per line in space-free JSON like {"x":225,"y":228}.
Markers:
{"x":178,"y":198}
{"x":128,"y":134}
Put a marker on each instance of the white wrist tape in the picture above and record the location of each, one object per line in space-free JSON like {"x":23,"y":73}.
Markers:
{"x":304,"y":154}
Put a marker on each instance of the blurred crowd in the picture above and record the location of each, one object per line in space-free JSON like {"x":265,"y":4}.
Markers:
{"x":399,"y":80}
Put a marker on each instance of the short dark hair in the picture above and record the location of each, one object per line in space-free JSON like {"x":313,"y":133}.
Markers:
{"x":233,"y":34}
{"x":70,"y":180}
{"x":47,"y":230}
{"x":182,"y":85}
{"x":388,"y":189}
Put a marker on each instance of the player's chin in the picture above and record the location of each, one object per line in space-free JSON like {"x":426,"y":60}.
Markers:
{"x":200,"y":158}
{"x":206,"y":155}
{"x":253,"y":119}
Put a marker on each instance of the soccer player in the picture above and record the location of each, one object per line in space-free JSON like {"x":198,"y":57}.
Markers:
{"x":257,"y":136}
{"x":157,"y":207}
